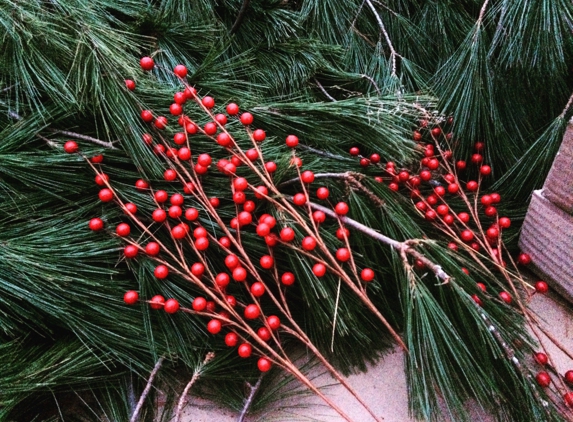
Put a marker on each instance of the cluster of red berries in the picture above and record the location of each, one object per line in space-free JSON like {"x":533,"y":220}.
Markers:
{"x":183,"y":222}
{"x":544,"y":379}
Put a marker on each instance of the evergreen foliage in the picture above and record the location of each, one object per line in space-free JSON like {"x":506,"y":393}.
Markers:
{"x":339,"y":73}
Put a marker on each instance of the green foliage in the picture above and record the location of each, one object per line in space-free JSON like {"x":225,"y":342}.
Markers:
{"x":320,"y":69}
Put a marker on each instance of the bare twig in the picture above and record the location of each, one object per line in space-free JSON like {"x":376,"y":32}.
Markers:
{"x":194,"y":378}
{"x":249,"y":400}
{"x":324,"y":153}
{"x":84,"y":138}
{"x":393,"y":53}
{"x":372,"y":82}
{"x":330,"y":97}
{"x":135,"y":415}
{"x":399,"y":246}
{"x":240,"y":16}
{"x":48,"y":141}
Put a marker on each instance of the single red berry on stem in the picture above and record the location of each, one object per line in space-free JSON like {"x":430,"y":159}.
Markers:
{"x":159,"y":216}
{"x":246,"y":118}
{"x":160,"y":122}
{"x":291,"y":141}
{"x":343,"y":254}
{"x":231,"y":339}
{"x":131,"y":297}
{"x":161,"y":272}
{"x":232,"y":109}
{"x":245,"y":350}
{"x":199,"y":304}
{"x":341,"y":208}
{"x":299,"y":199}
{"x":146,"y":63}
{"x":157,"y":302}
{"x":485,"y":170}
{"x":70,"y":147}
{"x":288,"y":279}
{"x":524,"y":259}
{"x":171,"y":306}
{"x":180,"y":70}
{"x":259,"y":135}
{"x":568,"y":377}
{"x":287,"y":234}
{"x":152,"y":249}
{"x":568,"y":399}
{"x":147,"y":116}
{"x":541,"y":358}
{"x":267,"y":262}
{"x":252,"y":311}
{"x":130,"y":84}
{"x":367,"y":274}
{"x":506,"y":297}
{"x":258,"y":289}
{"x":467,"y":235}
{"x":472,"y":186}
{"x":96,"y":159}
{"x":322,"y":193}
{"x":319,"y":269}
{"x":541,"y":287}
{"x":264,"y":364}
{"x":543,"y":379}
{"x":354,"y":151}
{"x":307,"y":176}
{"x":105,"y":195}
{"x":274,"y":322}
{"x":96,"y":224}
{"x":214,"y":326}
{"x":308,"y":243}
{"x":130,"y":251}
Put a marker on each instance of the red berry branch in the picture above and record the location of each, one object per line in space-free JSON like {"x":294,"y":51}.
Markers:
{"x":245,"y":297}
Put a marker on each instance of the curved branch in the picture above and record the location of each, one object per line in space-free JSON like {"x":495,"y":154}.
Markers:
{"x":240,"y":17}
{"x":393,"y":53}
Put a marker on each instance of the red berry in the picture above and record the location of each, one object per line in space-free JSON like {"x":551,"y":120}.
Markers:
{"x":232,"y":109}
{"x":263,"y":229}
{"x":425,"y":175}
{"x":543,"y":379}
{"x":246,"y":118}
{"x":232,"y":261}
{"x":259,"y":135}
{"x":307,"y":176}
{"x":440,"y":190}
{"x":524,"y":259}
{"x":342,"y":233}
{"x":506,"y":297}
{"x":105,"y":195}
{"x":70,"y":147}
{"x":274,"y":322}
{"x":432,"y":199}
{"x":341,"y":208}
{"x":403,"y":176}
{"x":147,"y":117}
{"x":375,"y":158}
{"x":287,"y":234}
{"x":264,"y":333}
{"x":477,"y":158}
{"x":453,"y":246}
{"x":308,"y":243}
{"x":239,"y":198}
{"x":453,"y":188}
{"x":221,"y":119}
{"x":541,"y":287}
{"x":495,"y":198}
{"x":319,"y":269}
{"x":467,"y":235}
{"x":130,"y":251}
{"x":214,"y":326}
{"x":131,"y":297}
{"x":264,"y":364}
{"x":436,"y":132}
{"x":245,"y":350}
{"x":96,"y":224}
{"x":252,"y":311}
{"x":202,"y":243}
{"x":417,"y":136}
{"x":130,"y":84}
{"x":460,"y":165}
{"x":96,"y":159}
{"x":430,"y":215}
{"x":354,"y":151}
{"x":215,"y":202}
{"x":178,"y":232}
{"x":472,"y":186}
{"x":291,"y":141}
{"x":267,"y":262}
{"x":244,"y":218}
{"x":146,"y":63}
{"x":180,"y":70}
{"x":159,"y":215}
{"x":485,"y":170}
{"x":541,"y":358}
{"x":486,"y":200}
{"x":271,"y":166}
{"x":210,"y":128}
{"x":481,"y":286}
{"x":261,"y":192}
{"x":171,"y":306}
{"x":364,"y":162}
{"x":161,"y":272}
{"x":208,"y":102}
{"x":152,"y":249}
{"x":443,"y":209}
{"x":175,"y":109}
{"x":319,"y":217}
{"x":191,"y":128}
{"x":504,"y":222}
{"x":477,"y":300}
{"x":492,"y":233}
{"x":568,"y":399}
{"x":490,"y":211}
{"x":222,"y":280}
{"x":299,"y":199}
{"x":288,"y":279}
{"x":258,"y":289}
{"x":433,"y":164}
{"x":296,"y":161}
{"x":223,"y":139}
{"x":160,"y":122}
{"x":231,"y":339}
{"x":239,"y":274}
{"x":157,"y":302}
{"x":464,"y":217}
{"x":367,"y":274}
{"x":322,"y":193}
{"x":197,"y":269}
{"x":343,"y":254}
{"x":568,"y":377}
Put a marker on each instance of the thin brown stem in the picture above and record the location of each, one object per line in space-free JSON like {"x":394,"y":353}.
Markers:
{"x":96,"y":141}
{"x":147,"y":389}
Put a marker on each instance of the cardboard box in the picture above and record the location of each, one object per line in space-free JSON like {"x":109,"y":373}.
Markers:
{"x":547,"y":236}
{"x":558,"y":187}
